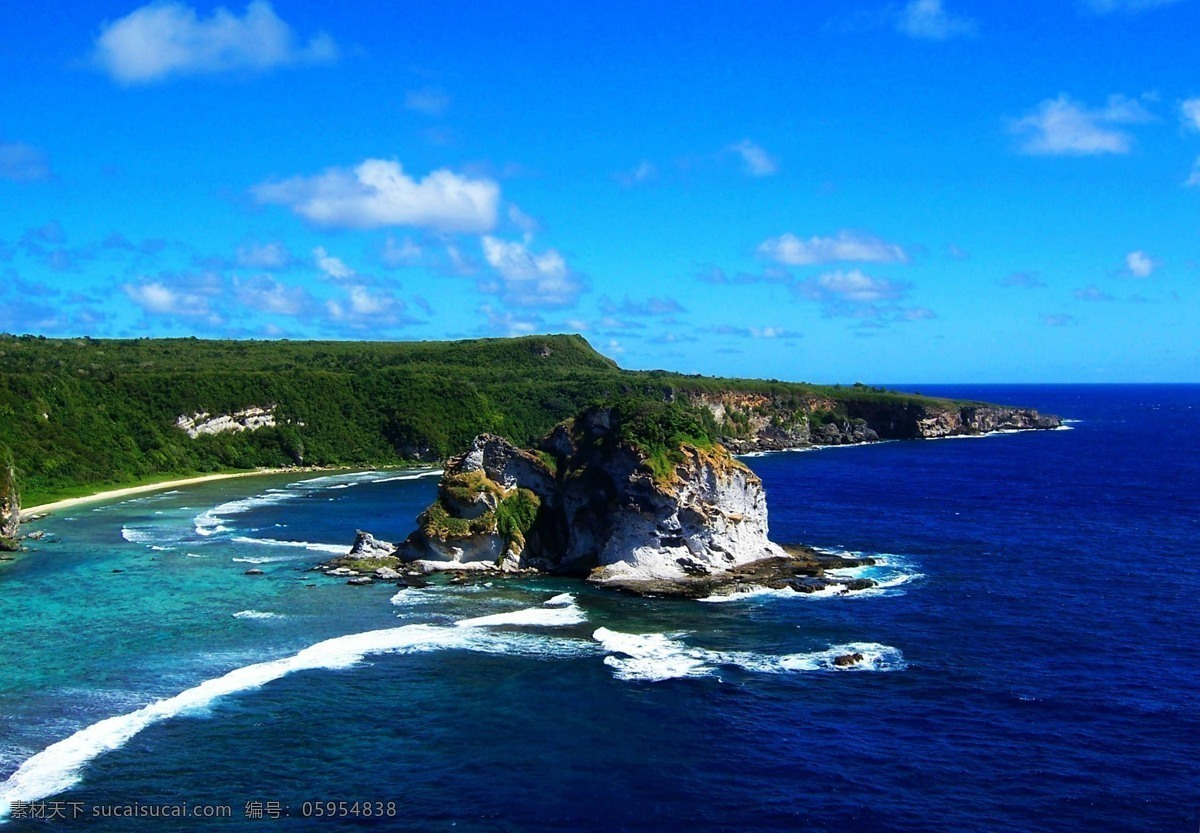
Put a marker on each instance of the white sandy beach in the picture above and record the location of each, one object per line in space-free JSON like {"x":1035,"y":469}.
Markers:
{"x":45,"y":508}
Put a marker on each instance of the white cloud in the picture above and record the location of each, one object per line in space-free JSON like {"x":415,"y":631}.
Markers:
{"x":332,"y":266}
{"x":926,"y":19}
{"x":160,"y":39}
{"x":400,"y":252}
{"x":1193,"y":180}
{"x":273,"y":255}
{"x":265,"y":294}
{"x":20,"y":162}
{"x":378,"y":193}
{"x":644,"y":172}
{"x":755,"y":160}
{"x":158,"y":298}
{"x":508,"y":323}
{"x":1061,"y":126}
{"x":1109,"y":6}
{"x":1190,"y":109}
{"x":361,"y":308}
{"x":523,"y":221}
{"x":430,"y":100}
{"x":846,"y":246}
{"x":854,"y":286}
{"x":1140,"y":265}
{"x":529,"y":279}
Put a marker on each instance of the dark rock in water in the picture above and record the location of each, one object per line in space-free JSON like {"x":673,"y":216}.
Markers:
{"x":858,"y":584}
{"x":254,"y":572}
{"x":118,"y":571}
{"x":361,"y":580}
{"x":847,"y":660}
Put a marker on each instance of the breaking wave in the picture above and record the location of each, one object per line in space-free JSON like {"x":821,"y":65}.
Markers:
{"x":653,"y":657}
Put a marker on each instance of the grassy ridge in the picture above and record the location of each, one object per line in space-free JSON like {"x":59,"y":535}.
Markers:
{"x":84,"y":413}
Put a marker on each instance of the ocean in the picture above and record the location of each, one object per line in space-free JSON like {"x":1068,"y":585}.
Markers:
{"x":1032,"y":656}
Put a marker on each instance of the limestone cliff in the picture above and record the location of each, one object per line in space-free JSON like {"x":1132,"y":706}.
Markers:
{"x":750,"y":421}
{"x":10,"y":505}
{"x":590,"y":503}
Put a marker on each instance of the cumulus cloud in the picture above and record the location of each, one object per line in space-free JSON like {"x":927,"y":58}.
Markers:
{"x":430,"y":101}
{"x":396,"y":253}
{"x":160,"y":40}
{"x":1065,"y":127}
{"x":846,"y":246}
{"x":265,"y":294}
{"x":643,"y":172}
{"x":755,"y":159}
{"x":1140,"y":265}
{"x":1193,"y":180}
{"x":20,"y":162}
{"x":528,"y":279}
{"x":927,"y":20}
{"x":379,"y":193}
{"x":273,"y":255}
{"x":332,"y":266}
{"x":508,"y":323}
{"x":854,"y":286}
{"x":1189,"y":110}
{"x":159,"y":298}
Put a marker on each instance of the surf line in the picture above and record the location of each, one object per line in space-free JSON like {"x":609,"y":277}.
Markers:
{"x":58,"y":767}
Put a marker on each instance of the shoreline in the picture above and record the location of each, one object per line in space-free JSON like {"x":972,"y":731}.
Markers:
{"x":32,"y":513}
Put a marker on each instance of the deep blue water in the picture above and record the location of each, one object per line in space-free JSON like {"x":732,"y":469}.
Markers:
{"x":1035,"y":654}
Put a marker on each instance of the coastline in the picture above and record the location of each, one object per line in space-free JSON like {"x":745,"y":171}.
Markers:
{"x":34,"y":512}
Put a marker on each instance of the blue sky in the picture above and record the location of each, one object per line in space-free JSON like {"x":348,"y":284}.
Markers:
{"x":924,"y":191}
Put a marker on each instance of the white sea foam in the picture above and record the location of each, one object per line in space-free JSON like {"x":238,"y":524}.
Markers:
{"x":257,"y":614}
{"x":561,"y":600}
{"x":413,"y":595}
{"x":651,"y":656}
{"x":57,"y":767}
{"x":265,"y":559}
{"x":157,"y":548}
{"x":413,"y":476}
{"x":136,"y":536}
{"x":545,"y":616}
{"x":336,"y":549}
{"x":654,"y":657}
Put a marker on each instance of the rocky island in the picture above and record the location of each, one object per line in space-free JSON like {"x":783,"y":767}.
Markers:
{"x":633,"y":496}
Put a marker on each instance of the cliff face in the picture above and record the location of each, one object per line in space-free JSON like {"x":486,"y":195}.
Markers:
{"x":10,"y":508}
{"x":760,"y":422}
{"x":602,"y":510}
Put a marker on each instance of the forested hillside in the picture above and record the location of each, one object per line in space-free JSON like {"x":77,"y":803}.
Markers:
{"x":87,"y":412}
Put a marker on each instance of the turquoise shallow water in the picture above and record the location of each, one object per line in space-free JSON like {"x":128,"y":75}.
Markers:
{"x":1033,"y":655}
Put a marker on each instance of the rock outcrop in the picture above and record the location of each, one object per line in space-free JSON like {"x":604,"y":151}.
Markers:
{"x":10,"y":505}
{"x":247,"y":419}
{"x":686,"y":520}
